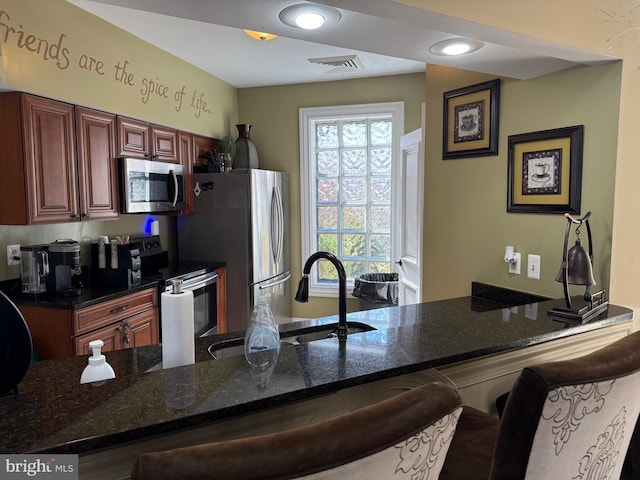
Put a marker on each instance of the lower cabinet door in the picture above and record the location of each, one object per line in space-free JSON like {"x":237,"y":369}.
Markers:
{"x":141,"y":330}
{"x":111,"y":335}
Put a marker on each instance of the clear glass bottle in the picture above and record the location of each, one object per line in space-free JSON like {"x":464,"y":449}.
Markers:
{"x":262,"y":339}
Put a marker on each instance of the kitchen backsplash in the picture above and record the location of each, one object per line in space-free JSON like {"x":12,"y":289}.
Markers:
{"x":82,"y":232}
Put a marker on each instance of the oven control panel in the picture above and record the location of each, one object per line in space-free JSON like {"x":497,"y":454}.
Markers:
{"x":147,"y":244}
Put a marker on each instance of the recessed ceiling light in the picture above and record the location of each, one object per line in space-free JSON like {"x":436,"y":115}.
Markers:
{"x":456,"y":46}
{"x":309,"y":16}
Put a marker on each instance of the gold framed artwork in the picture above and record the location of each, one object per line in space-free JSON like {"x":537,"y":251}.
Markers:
{"x":470,"y":121}
{"x":544,"y":171}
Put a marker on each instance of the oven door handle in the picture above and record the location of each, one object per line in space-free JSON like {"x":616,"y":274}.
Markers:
{"x":198,"y":282}
{"x":264,"y":286}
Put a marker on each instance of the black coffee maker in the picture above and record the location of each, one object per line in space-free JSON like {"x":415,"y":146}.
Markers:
{"x":64,"y":268}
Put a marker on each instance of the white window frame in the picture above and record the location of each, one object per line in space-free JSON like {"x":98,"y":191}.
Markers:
{"x":307,"y":117}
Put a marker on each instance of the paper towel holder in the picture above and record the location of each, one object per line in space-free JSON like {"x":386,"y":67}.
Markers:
{"x":176,"y":286}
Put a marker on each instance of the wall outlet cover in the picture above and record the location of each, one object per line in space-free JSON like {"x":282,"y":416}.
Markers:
{"x":515,"y":267}
{"x":13,"y":255}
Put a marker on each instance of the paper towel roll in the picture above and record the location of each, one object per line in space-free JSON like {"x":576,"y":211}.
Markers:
{"x":177,"y":329}
{"x":155,"y":227}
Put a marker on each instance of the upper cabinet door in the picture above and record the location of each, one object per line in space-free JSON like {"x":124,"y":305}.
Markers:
{"x":133,"y":138}
{"x":50,"y":160}
{"x":143,"y":140}
{"x":164,"y":145}
{"x":202,"y":145}
{"x":97,"y":167}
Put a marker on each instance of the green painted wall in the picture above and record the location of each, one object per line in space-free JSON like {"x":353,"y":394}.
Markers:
{"x":466,"y":225}
{"x":465,"y":219}
{"x":57,"y":50}
{"x":273,"y":112}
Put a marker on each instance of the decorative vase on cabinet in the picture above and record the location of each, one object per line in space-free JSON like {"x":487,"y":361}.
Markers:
{"x":246,"y":155}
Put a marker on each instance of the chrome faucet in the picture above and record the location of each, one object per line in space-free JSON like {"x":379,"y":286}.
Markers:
{"x":303,"y":289}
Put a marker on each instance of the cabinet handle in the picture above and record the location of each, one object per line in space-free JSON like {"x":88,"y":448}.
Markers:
{"x":120,"y":309}
{"x":127,"y":332}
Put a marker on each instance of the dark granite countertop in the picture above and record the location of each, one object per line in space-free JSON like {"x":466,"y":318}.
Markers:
{"x":90,"y":295}
{"x":96,"y":292}
{"x":53,"y":412}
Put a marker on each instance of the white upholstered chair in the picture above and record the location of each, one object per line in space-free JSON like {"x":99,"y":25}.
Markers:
{"x":565,"y":420}
{"x":403,"y":437}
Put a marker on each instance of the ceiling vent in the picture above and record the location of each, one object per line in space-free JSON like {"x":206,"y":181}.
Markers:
{"x":344,"y":64}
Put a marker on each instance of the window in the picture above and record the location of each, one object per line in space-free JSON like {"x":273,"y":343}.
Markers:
{"x":347,"y":158}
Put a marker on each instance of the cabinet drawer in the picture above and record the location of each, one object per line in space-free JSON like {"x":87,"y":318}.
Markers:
{"x":115,"y":310}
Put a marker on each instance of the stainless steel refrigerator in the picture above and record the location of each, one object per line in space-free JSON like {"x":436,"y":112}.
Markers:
{"x":242,"y":218}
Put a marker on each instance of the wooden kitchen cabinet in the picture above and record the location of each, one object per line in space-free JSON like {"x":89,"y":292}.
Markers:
{"x":202,"y":145}
{"x":136,"y":331}
{"x":48,"y":177}
{"x":185,"y":154}
{"x":124,"y":322}
{"x":39,"y":176}
{"x":191,"y":150}
{"x":110,"y":336}
{"x":221,"y":300}
{"x":97,"y":167}
{"x":141,"y":139}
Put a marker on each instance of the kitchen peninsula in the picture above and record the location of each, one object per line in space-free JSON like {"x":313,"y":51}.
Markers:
{"x":146,"y":407}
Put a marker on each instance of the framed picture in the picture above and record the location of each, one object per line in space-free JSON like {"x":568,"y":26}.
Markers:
{"x":470,"y":121}
{"x":545,"y":171}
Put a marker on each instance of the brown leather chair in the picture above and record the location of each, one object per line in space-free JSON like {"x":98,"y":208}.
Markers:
{"x":570,"y":419}
{"x":408,"y":434}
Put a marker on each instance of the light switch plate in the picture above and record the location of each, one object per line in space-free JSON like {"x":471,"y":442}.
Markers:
{"x":533,"y":266}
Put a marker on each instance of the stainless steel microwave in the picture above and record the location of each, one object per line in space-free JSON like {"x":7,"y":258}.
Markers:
{"x":149,"y":186}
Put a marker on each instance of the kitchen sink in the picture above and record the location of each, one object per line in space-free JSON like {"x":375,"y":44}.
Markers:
{"x":235,"y":346}
{"x":330,"y":331}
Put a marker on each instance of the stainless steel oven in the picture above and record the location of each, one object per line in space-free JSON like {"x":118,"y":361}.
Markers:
{"x":199,"y":277}
{"x":203,"y":283}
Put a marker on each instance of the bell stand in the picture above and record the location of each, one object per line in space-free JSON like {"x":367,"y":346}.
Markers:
{"x":590,"y":305}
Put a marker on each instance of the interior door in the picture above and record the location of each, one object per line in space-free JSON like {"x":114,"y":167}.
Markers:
{"x":410,"y":207}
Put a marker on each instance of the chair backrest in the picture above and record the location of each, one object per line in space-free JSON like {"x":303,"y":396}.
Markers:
{"x":571,"y":419}
{"x":408,"y":435}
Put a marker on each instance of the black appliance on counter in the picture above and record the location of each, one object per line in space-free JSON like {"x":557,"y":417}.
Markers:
{"x":199,"y":278}
{"x":65,"y":271}
{"x":122,"y":265}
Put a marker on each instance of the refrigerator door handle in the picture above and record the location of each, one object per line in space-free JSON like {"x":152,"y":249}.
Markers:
{"x":277,"y":225}
{"x":278,"y":281}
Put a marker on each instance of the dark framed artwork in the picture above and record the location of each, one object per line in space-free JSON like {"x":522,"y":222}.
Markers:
{"x":545,"y":171}
{"x":470,"y":121}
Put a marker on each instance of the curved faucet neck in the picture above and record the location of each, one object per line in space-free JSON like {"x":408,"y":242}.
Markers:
{"x":342,"y":285}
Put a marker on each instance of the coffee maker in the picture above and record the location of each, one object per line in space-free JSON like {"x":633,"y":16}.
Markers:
{"x":35,"y":268}
{"x":64,"y":268}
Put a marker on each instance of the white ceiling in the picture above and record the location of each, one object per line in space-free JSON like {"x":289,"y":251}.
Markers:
{"x":387,"y":37}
